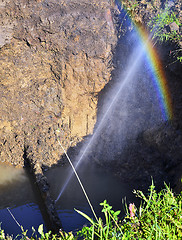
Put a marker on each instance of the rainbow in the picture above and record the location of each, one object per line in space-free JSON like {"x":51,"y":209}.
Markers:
{"x":158,"y":75}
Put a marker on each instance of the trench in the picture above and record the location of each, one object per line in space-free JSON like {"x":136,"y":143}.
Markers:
{"x":18,"y":189}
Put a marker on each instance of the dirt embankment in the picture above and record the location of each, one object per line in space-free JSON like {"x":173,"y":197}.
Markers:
{"x":55,"y":58}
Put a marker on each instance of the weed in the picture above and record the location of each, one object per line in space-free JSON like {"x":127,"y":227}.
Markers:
{"x":161,"y":29}
{"x":159,"y":26}
{"x":159,"y":216}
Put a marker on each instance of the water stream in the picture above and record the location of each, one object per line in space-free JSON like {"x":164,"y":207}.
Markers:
{"x":129,"y":107}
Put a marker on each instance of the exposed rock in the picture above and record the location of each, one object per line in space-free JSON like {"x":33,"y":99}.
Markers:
{"x":174,"y":27}
{"x":168,"y":140}
{"x":55,"y":58}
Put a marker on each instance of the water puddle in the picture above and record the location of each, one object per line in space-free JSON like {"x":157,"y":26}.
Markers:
{"x":99,"y":185}
{"x":17,"y":194}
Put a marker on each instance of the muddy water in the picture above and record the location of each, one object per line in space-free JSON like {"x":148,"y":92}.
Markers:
{"x":17,"y":194}
{"x":99,"y":185}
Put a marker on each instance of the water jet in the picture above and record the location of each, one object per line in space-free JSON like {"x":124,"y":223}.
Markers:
{"x":143,"y":69}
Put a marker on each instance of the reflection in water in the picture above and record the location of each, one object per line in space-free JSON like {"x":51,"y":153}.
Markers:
{"x":16,"y":193}
{"x":15,"y":187}
{"x":99,"y":185}
{"x":10,"y":174}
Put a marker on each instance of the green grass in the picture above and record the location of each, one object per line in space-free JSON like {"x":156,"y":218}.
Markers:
{"x":159,"y":27}
{"x":160,"y":24}
{"x":159,"y":216}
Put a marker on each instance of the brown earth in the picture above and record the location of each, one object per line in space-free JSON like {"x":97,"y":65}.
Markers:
{"x":55,"y":60}
{"x":55,"y":57}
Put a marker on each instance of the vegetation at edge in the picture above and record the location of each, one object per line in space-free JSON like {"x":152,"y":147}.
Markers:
{"x":161,"y":25}
{"x":159,"y":216}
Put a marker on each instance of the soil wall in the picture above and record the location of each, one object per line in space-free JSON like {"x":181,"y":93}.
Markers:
{"x":55,"y":56}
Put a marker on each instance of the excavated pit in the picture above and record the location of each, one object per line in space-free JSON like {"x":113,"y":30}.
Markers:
{"x":56,"y":59}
